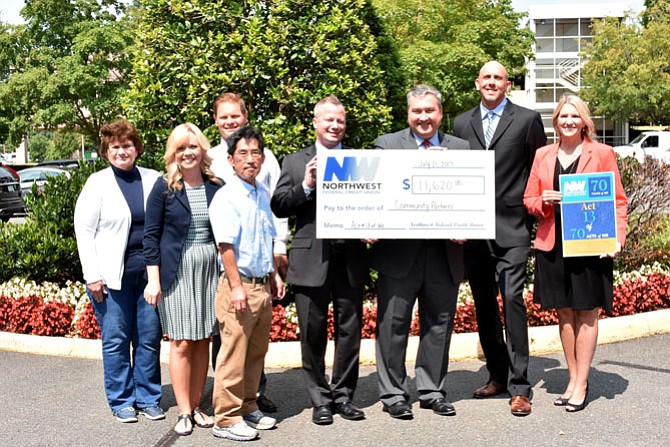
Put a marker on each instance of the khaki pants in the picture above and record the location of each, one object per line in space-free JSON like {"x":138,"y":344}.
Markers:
{"x":244,"y":343}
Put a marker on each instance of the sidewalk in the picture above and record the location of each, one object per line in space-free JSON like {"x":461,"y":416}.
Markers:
{"x":59,"y":401}
{"x":287,"y":354}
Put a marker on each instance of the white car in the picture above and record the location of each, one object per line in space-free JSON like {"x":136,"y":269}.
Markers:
{"x":655,"y":144}
{"x":38,"y":175}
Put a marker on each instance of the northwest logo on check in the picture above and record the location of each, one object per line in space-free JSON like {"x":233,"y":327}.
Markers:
{"x":351,"y":173}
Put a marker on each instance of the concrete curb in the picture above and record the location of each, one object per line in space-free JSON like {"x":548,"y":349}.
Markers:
{"x":287,"y":354}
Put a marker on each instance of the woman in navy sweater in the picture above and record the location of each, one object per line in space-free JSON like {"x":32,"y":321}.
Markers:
{"x":109,"y":224}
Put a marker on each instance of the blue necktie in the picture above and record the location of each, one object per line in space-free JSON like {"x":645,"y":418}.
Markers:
{"x":488,"y":132}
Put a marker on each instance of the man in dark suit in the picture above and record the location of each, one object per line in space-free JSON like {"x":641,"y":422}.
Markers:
{"x":322,"y":270}
{"x":429,"y":269}
{"x":514,"y":133}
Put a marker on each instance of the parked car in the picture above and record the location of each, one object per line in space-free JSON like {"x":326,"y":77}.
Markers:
{"x":10,"y":194}
{"x":38,"y":175}
{"x":67,"y":163}
{"x":655,"y":144}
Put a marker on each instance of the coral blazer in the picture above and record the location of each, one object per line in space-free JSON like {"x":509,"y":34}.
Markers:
{"x":596,"y":157}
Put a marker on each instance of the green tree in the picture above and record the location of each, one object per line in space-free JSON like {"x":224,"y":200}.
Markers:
{"x":628,"y":69}
{"x":282,"y":56}
{"x":653,"y":9}
{"x":445,"y":43}
{"x":65,"y":67}
{"x":65,"y":145}
{"x":39,"y":145}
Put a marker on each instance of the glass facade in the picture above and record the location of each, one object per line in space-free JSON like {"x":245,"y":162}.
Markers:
{"x":556,"y":70}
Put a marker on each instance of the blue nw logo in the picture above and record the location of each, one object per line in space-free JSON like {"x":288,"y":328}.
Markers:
{"x":349,"y":170}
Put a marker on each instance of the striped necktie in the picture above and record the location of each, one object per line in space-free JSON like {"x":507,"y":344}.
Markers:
{"x":426,"y":143}
{"x":488,"y":133}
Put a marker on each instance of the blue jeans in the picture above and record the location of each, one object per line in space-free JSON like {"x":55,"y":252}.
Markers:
{"x":126,"y":319}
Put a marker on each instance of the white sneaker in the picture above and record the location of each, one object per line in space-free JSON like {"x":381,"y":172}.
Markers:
{"x":237,"y":432}
{"x":259,"y":421}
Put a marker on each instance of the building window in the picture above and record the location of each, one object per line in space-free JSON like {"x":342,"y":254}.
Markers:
{"x":585,"y":27}
{"x":567,"y":27}
{"x":544,"y":28}
{"x":544,"y":45}
{"x":567,"y":45}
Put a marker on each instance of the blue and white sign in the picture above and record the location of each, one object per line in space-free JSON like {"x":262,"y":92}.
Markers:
{"x":588,"y":214}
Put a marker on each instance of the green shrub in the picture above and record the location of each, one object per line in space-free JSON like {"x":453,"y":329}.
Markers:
{"x":37,"y":251}
{"x":43,"y":248}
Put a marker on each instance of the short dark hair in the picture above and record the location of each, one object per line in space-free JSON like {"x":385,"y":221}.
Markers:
{"x":244,"y":133}
{"x":118,"y":131}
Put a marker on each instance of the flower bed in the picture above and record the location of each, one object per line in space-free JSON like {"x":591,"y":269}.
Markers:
{"x":47,"y":309}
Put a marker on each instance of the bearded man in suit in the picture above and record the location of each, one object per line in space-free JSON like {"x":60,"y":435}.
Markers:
{"x":514,"y":133}
{"x":428,"y":269}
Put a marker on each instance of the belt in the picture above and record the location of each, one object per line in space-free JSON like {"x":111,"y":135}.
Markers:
{"x":254,"y":280}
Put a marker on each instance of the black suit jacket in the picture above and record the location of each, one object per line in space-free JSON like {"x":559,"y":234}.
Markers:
{"x":166,"y":222}
{"x":308,"y":257}
{"x":395,"y":257}
{"x":519,"y":134}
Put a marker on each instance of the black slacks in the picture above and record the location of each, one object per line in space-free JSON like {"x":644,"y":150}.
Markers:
{"x":312,"y":307}
{"x":491,"y":268}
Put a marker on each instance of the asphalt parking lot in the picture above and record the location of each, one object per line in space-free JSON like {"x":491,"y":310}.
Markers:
{"x":59,"y":401}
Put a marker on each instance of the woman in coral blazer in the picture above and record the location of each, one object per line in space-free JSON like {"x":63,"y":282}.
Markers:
{"x":576,"y":286}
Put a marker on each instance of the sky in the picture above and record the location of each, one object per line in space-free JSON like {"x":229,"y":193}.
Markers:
{"x":10,"y":9}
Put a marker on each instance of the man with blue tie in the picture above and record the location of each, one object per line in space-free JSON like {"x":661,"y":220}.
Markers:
{"x":514,"y":133}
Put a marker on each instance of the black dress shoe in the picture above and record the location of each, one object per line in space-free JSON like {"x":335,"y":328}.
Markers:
{"x":322,"y":415}
{"x":573,"y":408}
{"x":399,"y":410}
{"x":439,"y":406}
{"x":265,"y":404}
{"x":348,"y":411}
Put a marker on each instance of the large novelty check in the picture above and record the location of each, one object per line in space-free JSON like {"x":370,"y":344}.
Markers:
{"x":405,"y":194}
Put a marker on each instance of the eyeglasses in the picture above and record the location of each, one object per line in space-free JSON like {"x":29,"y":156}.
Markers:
{"x":126,"y":147}
{"x":255,"y":153}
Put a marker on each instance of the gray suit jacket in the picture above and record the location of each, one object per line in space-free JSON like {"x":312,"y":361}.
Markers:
{"x":395,"y":257}
{"x":519,"y":134}
{"x":405,"y":140}
{"x":308,"y":257}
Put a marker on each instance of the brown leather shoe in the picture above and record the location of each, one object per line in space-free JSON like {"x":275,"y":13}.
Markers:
{"x":520,"y":406}
{"x":489,"y":389}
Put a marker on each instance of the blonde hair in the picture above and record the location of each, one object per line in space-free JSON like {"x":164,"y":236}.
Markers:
{"x":589,"y":129}
{"x":179,"y":138}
